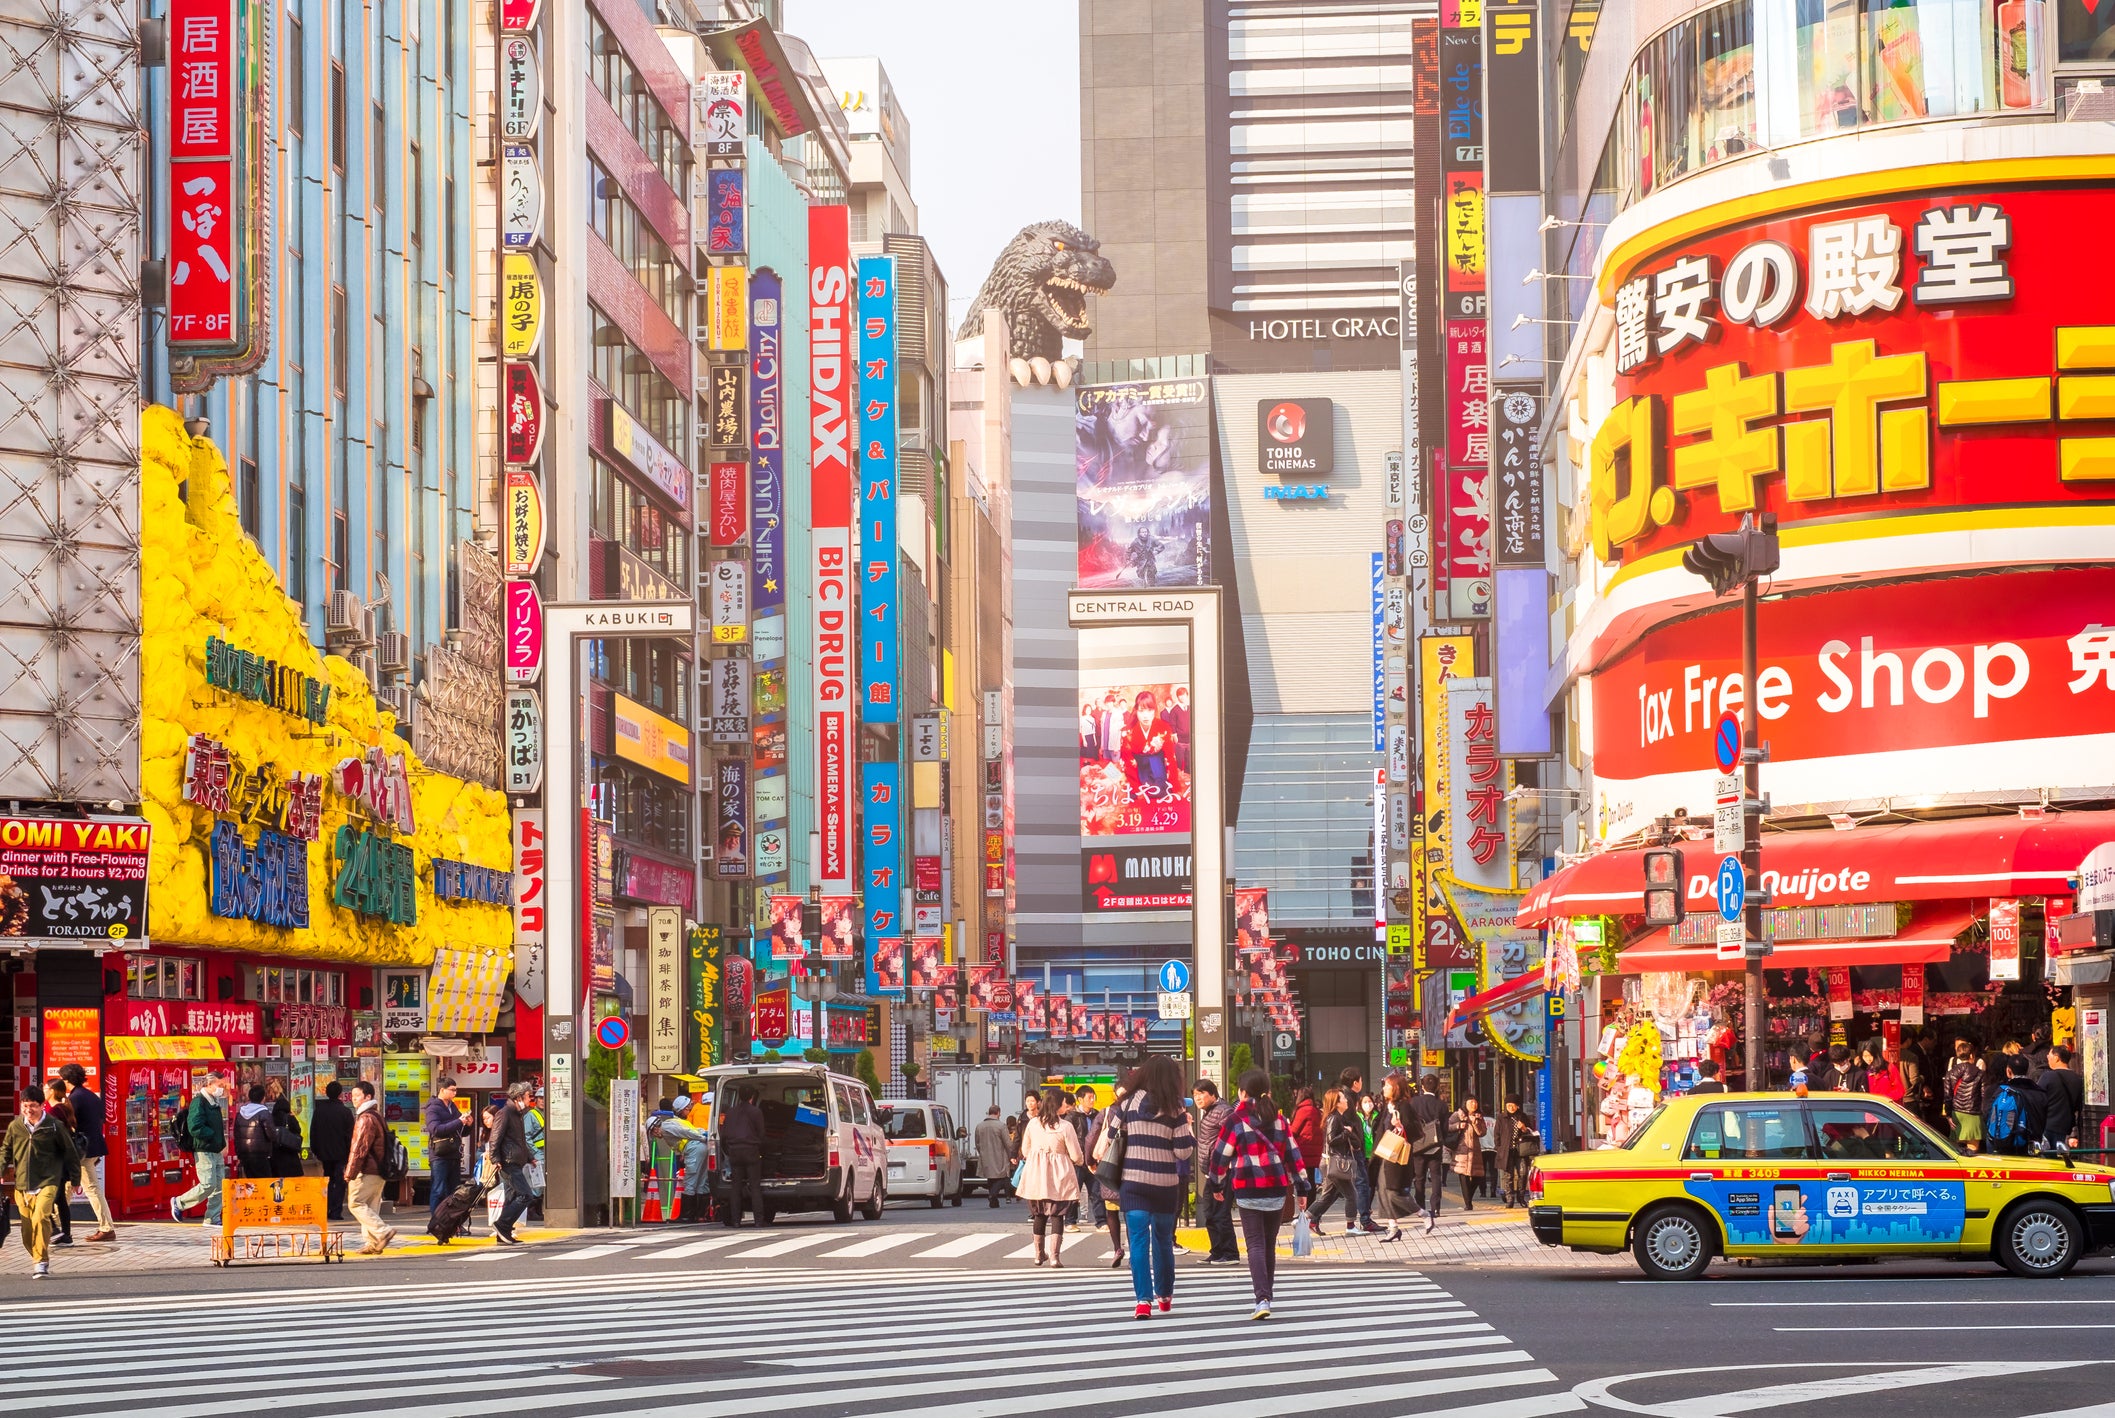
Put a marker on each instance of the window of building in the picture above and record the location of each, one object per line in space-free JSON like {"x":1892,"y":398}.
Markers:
{"x":297,"y":544}
{"x":625,"y":230}
{"x":378,"y":158}
{"x":341,"y":513}
{"x":1766,"y":73}
{"x":622,"y":513}
{"x":251,"y":500}
{"x":418,"y":196}
{"x":295,"y":80}
{"x":340,"y":342}
{"x":643,"y":806}
{"x":1306,"y":828}
{"x":165,"y":977}
{"x":288,"y":984}
{"x":636,"y":382}
{"x":337,"y":116}
{"x":448,"y":226}
{"x":619,"y":81}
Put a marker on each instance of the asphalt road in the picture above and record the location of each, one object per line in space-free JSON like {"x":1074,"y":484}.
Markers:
{"x":937,"y":1312}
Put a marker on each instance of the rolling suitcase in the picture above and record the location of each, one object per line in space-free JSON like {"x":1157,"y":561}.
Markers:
{"x":453,"y":1214}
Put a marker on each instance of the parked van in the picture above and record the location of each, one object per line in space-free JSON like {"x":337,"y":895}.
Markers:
{"x":824,"y":1149}
{"x":926,"y":1149}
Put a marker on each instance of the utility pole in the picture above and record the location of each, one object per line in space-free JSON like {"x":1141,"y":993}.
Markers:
{"x":1726,"y":560}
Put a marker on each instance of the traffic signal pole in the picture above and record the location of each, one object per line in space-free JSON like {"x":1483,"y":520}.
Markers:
{"x":1751,"y":836}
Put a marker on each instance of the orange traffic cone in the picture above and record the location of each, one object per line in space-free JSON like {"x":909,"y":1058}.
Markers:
{"x":677,"y":1197}
{"x":653,"y":1197}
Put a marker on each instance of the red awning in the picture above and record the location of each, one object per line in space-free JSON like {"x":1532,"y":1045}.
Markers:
{"x":1927,"y":940}
{"x":1904,"y":861}
{"x":1499,"y":996}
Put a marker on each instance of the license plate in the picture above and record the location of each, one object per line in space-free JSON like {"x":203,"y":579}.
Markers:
{"x":895,"y":1169}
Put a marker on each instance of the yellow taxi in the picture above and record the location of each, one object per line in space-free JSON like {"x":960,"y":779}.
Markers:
{"x":1831,"y":1176}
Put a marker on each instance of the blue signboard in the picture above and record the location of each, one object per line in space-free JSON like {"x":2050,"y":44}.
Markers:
{"x":1732,"y":889}
{"x":725,"y":212}
{"x":767,"y":447}
{"x":881,"y":862}
{"x":877,"y":490}
{"x":1380,"y":652}
{"x":1174,"y":977}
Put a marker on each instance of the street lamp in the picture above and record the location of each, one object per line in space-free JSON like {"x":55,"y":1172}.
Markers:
{"x":1726,"y":560}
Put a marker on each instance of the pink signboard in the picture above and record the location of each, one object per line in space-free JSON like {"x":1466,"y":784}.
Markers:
{"x":524,"y":632}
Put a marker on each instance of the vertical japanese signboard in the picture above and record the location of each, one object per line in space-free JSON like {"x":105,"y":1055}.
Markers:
{"x":881,"y":869}
{"x":531,"y":871}
{"x":1462,"y":499}
{"x":831,"y":387}
{"x":214,"y":157}
{"x":721,"y":100}
{"x":665,"y":962}
{"x":877,"y":489}
{"x":730,"y":852}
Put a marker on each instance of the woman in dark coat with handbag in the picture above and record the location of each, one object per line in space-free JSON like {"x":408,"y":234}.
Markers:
{"x":1395,"y":1135}
{"x":1518,"y":1144}
{"x":286,"y":1140}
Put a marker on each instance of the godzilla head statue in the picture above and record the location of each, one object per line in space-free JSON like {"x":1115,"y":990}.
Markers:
{"x":1040,"y":283}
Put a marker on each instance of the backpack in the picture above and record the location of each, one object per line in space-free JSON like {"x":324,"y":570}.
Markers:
{"x":180,"y":1130}
{"x":2008,"y":1120}
{"x":395,"y":1160}
{"x":253,"y":1135}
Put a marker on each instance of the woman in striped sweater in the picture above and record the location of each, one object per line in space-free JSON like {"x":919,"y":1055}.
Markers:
{"x":1158,"y":1148}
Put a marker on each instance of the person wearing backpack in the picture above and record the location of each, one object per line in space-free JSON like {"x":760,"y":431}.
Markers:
{"x":201,"y":1129}
{"x":2019,"y":1111}
{"x":1965,"y":1090}
{"x":365,"y":1167}
{"x":37,"y":1157}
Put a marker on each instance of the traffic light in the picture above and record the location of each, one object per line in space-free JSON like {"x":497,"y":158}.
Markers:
{"x":1664,"y":903}
{"x":1725,"y":559}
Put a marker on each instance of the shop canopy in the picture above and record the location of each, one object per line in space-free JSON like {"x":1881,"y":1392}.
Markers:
{"x":1926,"y":940}
{"x":1502,"y":996}
{"x":1962,"y":857}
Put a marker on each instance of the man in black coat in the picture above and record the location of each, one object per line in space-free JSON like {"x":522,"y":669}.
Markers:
{"x":2064,"y":1090}
{"x":330,"y":1130}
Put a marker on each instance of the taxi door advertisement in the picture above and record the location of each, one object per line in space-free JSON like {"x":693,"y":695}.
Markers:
{"x":1868,"y":1211}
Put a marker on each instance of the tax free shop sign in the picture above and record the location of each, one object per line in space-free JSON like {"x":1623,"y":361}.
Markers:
{"x":1943,"y":686}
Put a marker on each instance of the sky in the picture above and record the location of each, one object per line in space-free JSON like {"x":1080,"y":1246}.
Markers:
{"x":992,"y":92}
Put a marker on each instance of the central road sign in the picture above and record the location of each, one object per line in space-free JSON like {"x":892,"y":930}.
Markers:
{"x":613,"y":1033}
{"x":1732,"y":889}
{"x":1174,"y":977}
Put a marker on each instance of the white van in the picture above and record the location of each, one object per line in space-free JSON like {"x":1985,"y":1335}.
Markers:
{"x":823,"y":1146}
{"x":926,"y":1149}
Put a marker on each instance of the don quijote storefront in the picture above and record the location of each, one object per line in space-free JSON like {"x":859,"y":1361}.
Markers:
{"x":1918,"y":385}
{"x":317,"y":903}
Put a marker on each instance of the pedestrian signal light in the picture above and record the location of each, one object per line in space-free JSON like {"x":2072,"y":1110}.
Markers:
{"x":1663,"y":888}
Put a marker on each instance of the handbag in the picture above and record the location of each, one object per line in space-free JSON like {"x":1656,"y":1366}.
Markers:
{"x":1020,"y":1170}
{"x":1109,"y":1152}
{"x":1392,"y":1148}
{"x":1339,"y":1166}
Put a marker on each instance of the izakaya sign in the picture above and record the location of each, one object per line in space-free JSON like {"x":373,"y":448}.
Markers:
{"x":1910,"y":355}
{"x":1950,"y":686}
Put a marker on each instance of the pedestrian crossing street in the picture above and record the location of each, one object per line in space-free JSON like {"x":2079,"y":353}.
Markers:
{"x":719,"y":1344}
{"x":814,"y":1242}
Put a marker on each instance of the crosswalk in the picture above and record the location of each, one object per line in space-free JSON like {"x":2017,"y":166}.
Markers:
{"x":719,"y":1344}
{"x":813,"y":1244}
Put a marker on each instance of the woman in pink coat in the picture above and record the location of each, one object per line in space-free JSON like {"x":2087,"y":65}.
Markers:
{"x":1050,"y":1163}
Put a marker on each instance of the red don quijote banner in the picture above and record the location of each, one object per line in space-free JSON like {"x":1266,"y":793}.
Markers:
{"x":832,"y":379}
{"x":1919,"y":354}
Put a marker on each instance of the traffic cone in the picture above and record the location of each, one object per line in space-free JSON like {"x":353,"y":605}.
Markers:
{"x":679,"y":1201}
{"x":652,"y":1213}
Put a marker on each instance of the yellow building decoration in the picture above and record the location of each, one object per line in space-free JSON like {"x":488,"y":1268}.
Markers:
{"x":263,"y":741}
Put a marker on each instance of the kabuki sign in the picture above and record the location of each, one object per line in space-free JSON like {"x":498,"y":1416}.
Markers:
{"x":1909,"y":355}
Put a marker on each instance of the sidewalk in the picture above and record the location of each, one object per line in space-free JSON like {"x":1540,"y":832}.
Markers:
{"x":168,"y":1245}
{"x":1497,"y":1237}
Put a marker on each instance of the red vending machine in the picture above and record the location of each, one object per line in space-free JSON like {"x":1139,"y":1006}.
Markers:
{"x":145,"y":1168}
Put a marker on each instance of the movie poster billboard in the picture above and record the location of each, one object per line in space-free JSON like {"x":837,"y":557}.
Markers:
{"x":840,"y":928}
{"x":785,"y":928}
{"x":1032,"y":1007}
{"x":928,"y":962}
{"x":1143,"y":461}
{"x":888,"y":965}
{"x":1134,"y":769}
